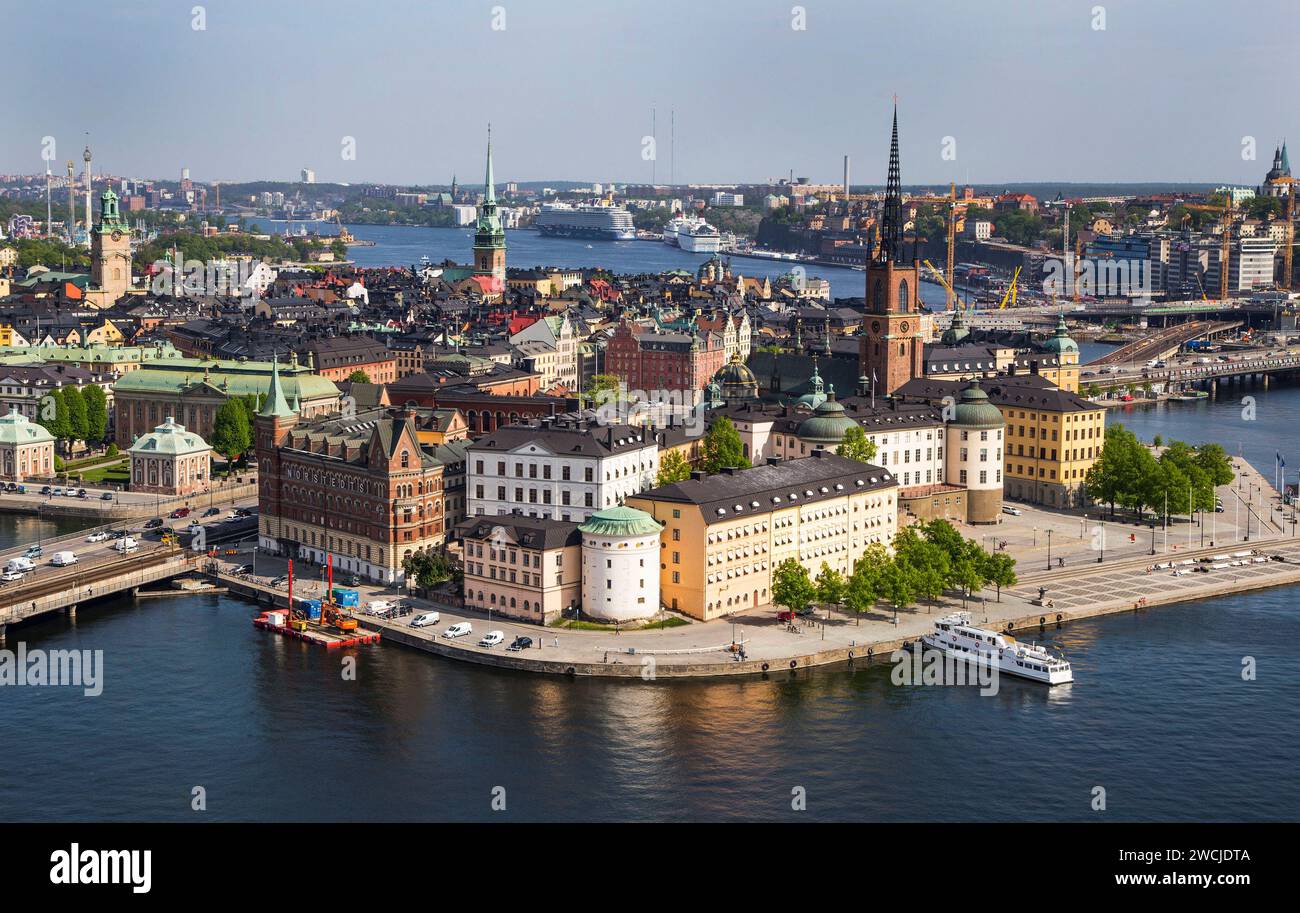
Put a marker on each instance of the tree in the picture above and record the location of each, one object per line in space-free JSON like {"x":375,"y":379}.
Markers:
{"x":967,"y":571}
{"x":856,"y":446}
{"x":231,"y":434}
{"x":863,"y":588}
{"x":830,"y":586}
{"x":1000,"y":568}
{"x":673,"y":467}
{"x":722,"y":447}
{"x":603,"y":388}
{"x":791,"y":586}
{"x":52,"y":414}
{"x":75,"y":404}
{"x":96,"y":412}
{"x":897,"y":585}
{"x":359,"y":377}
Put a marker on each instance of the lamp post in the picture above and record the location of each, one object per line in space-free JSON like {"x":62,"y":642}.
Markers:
{"x":1049,"y":549}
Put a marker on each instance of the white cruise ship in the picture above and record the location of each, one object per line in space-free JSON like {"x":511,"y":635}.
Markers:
{"x":602,"y":223}
{"x":955,"y":636}
{"x":692,"y":233}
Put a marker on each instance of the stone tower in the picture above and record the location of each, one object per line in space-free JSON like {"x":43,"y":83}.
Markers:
{"x":110,"y":254}
{"x":489,"y":235}
{"x":891,"y":348}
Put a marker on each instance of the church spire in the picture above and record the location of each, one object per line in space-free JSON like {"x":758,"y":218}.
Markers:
{"x":891,"y":221}
{"x":276,"y":406}
{"x":489,"y":184}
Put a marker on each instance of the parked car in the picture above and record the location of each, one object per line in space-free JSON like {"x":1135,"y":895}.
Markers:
{"x":106,"y":496}
{"x":378,"y":607}
{"x":180,"y":512}
{"x":242,"y":569}
{"x":212,"y":511}
{"x":1013,"y":511}
{"x":423,"y":621}
{"x":100,"y":536}
{"x":785,"y":616}
{"x":520,"y":643}
{"x":126,"y":544}
{"x":460,"y":629}
{"x":154,"y":523}
{"x":279,"y":581}
{"x":58,"y":491}
{"x":82,"y":494}
{"x":45,"y":489}
{"x":491,"y":639}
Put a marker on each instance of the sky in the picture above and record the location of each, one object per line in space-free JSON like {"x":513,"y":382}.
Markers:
{"x":989,"y":91}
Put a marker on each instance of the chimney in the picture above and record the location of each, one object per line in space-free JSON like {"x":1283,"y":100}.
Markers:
{"x":773,"y":461}
{"x":729,"y":470}
{"x":819,"y":452}
{"x":1033,"y":366}
{"x":698,"y":475}
{"x":1011,"y":369}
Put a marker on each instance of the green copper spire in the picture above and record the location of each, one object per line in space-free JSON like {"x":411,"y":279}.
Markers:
{"x":110,"y":217}
{"x":276,"y":406}
{"x":1286,"y":162}
{"x":489,"y":232}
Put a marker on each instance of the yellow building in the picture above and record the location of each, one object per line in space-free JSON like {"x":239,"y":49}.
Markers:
{"x":1053,"y":438}
{"x":725,"y":534}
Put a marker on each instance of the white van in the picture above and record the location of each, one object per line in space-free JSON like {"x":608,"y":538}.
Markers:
{"x":423,"y":621}
{"x":126,"y":545}
{"x":20,"y":565}
{"x":460,"y":629}
{"x":378,"y":607}
{"x":63,"y":559}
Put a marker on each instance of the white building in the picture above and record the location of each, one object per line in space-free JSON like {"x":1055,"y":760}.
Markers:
{"x":550,"y":348}
{"x":723,"y":198}
{"x":620,"y":564}
{"x":558,"y":468}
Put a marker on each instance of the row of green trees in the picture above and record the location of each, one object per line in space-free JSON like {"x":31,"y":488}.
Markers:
{"x":929,"y":559}
{"x":1129,"y":475}
{"x":75,"y":414}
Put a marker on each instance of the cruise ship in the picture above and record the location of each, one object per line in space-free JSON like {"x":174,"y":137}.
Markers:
{"x":692,"y":233}
{"x":603,"y":223}
{"x":955,"y":636}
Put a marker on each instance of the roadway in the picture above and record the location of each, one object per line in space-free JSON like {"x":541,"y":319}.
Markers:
{"x":1191,"y":368}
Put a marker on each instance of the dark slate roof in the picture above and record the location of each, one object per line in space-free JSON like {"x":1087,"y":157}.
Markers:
{"x":753,"y":492}
{"x":1027,"y":391}
{"x":525,"y":532}
{"x":567,"y":438}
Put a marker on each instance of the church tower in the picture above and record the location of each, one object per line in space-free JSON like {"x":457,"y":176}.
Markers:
{"x":489,"y":235}
{"x":271,"y":427}
{"x":110,"y":254}
{"x":891,"y":348}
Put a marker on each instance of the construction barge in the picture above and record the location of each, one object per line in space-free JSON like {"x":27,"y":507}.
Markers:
{"x":314,"y":633}
{"x":327,"y":623}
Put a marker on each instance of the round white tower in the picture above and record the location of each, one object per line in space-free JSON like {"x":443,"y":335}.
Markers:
{"x":973,"y":454}
{"x":620,"y":564}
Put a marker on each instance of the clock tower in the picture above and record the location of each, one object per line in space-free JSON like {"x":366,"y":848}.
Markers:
{"x":489,"y":234}
{"x":110,"y":254}
{"x":891,"y":346}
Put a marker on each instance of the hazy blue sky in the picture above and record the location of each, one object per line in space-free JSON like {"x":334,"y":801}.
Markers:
{"x":1028,"y":88}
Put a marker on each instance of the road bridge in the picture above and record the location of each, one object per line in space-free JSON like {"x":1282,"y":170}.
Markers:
{"x":1166,"y":342}
{"x":1191,"y":373}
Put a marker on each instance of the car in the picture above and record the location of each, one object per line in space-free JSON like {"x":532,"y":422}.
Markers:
{"x":1218,"y":508}
{"x":34,"y":551}
{"x":459,"y":629}
{"x":57,"y":491}
{"x":45,"y":490}
{"x":63,"y":559}
{"x":212,"y":511}
{"x":11,"y":576}
{"x":423,"y":621}
{"x":82,"y":494}
{"x":154,"y":523}
{"x":11,"y":487}
{"x":378,"y":607}
{"x":520,"y":643}
{"x":100,"y":536}
{"x":280,"y":581}
{"x":106,"y":496}
{"x":242,"y":569}
{"x":491,"y":639}
{"x":1013,"y":511}
{"x":117,"y":534}
{"x":785,"y":616}
{"x":354,"y":580}
{"x":180,"y":512}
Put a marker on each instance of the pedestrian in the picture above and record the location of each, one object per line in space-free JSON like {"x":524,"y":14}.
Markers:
{"x":557,"y":641}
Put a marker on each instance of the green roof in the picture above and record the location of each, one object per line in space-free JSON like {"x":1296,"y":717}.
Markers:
{"x":170,"y":438}
{"x":620,"y":522}
{"x":234,"y":378}
{"x":19,"y":429}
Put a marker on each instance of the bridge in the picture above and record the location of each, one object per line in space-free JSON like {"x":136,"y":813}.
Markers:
{"x":1188,"y":373}
{"x":100,"y":571}
{"x":1165,"y":343}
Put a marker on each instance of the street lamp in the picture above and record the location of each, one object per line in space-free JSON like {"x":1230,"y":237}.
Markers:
{"x":1049,"y":549}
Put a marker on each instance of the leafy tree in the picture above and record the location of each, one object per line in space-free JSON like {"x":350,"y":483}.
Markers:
{"x":603,"y":388}
{"x":791,"y":586}
{"x":1000,"y":568}
{"x":967,"y":571}
{"x":112,"y":450}
{"x":856,"y":446}
{"x":231,"y":433}
{"x":897,"y":585}
{"x":831,"y":585}
{"x":863,"y":589}
{"x":673,"y":467}
{"x":722,"y":447}
{"x":75,"y":404}
{"x":52,"y":414}
{"x":359,"y":377}
{"x":96,"y":412}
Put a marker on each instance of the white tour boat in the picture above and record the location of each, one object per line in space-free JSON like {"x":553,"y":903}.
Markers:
{"x":955,"y":636}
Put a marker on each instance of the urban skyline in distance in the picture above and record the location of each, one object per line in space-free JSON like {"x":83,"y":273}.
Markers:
{"x":742,"y":92}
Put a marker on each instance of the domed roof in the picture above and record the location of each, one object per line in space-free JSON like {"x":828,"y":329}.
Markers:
{"x":817,"y":396}
{"x":620,"y":522}
{"x":736,"y":382}
{"x":1060,"y":342}
{"x":828,"y":423}
{"x":956,"y":332}
{"x":975,"y":411}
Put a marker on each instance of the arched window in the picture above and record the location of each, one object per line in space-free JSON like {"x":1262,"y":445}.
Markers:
{"x":406,"y":458}
{"x":902,"y":295}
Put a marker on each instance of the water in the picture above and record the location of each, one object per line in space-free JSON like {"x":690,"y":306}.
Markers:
{"x":195,"y":696}
{"x":398,"y":245}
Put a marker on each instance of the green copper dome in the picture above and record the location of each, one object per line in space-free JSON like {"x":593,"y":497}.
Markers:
{"x":828,"y":423}
{"x":956,"y":332}
{"x":1060,"y":343}
{"x":621,"y":522}
{"x":975,"y":411}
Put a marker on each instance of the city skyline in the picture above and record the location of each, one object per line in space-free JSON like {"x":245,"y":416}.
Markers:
{"x":748,"y":94}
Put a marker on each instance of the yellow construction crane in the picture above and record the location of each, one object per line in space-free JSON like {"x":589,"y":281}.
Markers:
{"x":1288,"y":251}
{"x":1225,"y":213}
{"x":1010,"y":296}
{"x":951,"y":202}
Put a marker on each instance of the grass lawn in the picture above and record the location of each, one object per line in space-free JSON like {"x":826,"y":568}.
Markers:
{"x":672,"y":621}
{"x":118,"y":473}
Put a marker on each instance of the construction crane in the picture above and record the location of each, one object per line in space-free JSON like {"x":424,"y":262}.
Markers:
{"x":1010,"y":296}
{"x":1290,"y":236}
{"x":1225,"y":213}
{"x":951,"y":202}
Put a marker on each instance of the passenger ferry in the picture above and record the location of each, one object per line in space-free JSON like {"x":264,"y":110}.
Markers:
{"x":598,"y":223}
{"x":955,"y":636}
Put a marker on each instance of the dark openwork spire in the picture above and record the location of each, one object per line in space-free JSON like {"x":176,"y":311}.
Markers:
{"x":891,"y":221}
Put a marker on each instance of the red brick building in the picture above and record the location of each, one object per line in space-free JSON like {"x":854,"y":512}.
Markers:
{"x":649,"y":360}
